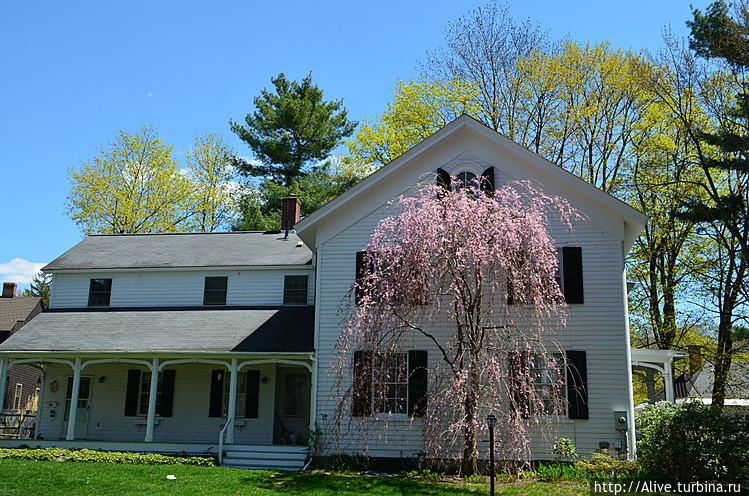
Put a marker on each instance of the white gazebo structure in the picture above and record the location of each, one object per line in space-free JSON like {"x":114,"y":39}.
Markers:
{"x":661,"y":361}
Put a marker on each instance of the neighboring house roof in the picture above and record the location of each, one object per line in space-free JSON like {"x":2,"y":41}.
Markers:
{"x":179,"y":250}
{"x":239,"y":329}
{"x":19,"y":308}
{"x":737,"y":386}
{"x":469,"y":138}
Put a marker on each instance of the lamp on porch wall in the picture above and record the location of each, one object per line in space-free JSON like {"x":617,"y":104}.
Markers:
{"x":102,"y":380}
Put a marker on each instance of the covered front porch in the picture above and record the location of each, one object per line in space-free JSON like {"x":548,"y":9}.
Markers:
{"x":171,"y":375}
{"x":254,"y":399}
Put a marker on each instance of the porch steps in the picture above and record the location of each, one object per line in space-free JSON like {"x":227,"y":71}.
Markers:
{"x":265,"y":457}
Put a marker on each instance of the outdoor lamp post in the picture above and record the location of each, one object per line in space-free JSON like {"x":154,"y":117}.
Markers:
{"x":492,"y":421}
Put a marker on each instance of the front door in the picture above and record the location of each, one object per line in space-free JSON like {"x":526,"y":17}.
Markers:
{"x":84,"y":399}
{"x":291,"y":424}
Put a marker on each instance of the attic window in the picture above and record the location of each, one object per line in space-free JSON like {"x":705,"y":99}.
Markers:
{"x":99,"y":292}
{"x":465,"y":179}
{"x":295,"y":290}
{"x":214,"y":292}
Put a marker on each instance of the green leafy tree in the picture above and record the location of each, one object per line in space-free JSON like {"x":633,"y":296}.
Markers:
{"x":136,"y":186}
{"x":39,"y":287}
{"x":419,"y":109}
{"x":291,"y":128}
{"x":212,"y":193}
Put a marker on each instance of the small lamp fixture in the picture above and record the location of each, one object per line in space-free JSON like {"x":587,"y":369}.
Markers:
{"x":102,"y":380}
{"x":491,"y":420}
{"x":264,"y":380}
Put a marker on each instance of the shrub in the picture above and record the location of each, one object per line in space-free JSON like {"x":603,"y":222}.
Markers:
{"x":692,"y":441}
{"x":608,"y":465}
{"x":564,"y":449}
{"x":86,"y":455}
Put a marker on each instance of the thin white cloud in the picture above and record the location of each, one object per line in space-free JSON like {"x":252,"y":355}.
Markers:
{"x":149,"y":94}
{"x":19,"y":271}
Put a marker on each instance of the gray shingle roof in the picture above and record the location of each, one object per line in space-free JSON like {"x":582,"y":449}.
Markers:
{"x":14,"y":309}
{"x":268,"y":330}
{"x":174,"y":250}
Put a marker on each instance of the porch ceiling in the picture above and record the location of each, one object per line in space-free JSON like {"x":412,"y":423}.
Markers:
{"x":251,"y":330}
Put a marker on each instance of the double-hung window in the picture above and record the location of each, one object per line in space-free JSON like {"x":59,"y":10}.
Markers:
{"x":248,"y":393}
{"x":295,"y":290}
{"x":214,"y":292}
{"x":99,"y":292}
{"x":390,"y":383}
{"x":138,"y":394}
{"x":547,"y":382}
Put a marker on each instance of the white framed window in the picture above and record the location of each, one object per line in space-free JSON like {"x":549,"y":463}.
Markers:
{"x":464,"y":179}
{"x":295,"y":290}
{"x":144,"y":393}
{"x":241,"y":393}
{"x":390,"y":391}
{"x":17,"y":396}
{"x":547,"y":380}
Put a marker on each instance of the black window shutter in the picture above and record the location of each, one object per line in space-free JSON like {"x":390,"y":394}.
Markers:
{"x":443,"y":179}
{"x":417,"y":383}
{"x":361,"y":403}
{"x":577,"y":384}
{"x":572,"y":262}
{"x":487,"y":181}
{"x":131,"y":394}
{"x":253,"y":394}
{"x":360,"y":272}
{"x":167,"y":393}
{"x":519,"y":394}
{"x":217,"y":392}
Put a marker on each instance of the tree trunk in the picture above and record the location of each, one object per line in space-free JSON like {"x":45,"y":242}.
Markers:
{"x":470,"y":449}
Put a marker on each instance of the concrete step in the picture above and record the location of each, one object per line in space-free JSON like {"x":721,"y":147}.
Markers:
{"x":259,"y":457}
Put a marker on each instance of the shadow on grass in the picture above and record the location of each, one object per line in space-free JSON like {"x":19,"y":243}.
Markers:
{"x":324,"y":482}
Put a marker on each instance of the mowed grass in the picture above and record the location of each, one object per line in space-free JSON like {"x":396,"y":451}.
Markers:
{"x":25,"y":477}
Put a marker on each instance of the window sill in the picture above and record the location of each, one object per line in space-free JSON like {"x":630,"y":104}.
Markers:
{"x":144,"y":421}
{"x":395,"y":417}
{"x":551,"y":418}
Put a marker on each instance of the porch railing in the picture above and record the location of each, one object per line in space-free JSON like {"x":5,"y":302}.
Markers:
{"x":17,"y":424}
{"x":221,"y":437}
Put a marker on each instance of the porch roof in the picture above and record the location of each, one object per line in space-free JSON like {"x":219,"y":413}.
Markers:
{"x":239,"y":329}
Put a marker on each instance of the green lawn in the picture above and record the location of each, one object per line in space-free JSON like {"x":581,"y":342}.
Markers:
{"x":24,"y":477}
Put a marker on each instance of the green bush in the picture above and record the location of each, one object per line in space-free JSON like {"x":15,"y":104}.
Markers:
{"x":564,"y":449}
{"x":692,"y":441}
{"x":608,"y":465}
{"x":86,"y":455}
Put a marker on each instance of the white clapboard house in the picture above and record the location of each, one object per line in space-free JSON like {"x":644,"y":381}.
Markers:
{"x":180,"y":342}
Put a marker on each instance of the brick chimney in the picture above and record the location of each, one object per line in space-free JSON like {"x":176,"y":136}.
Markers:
{"x":9,"y":289}
{"x":695,"y":359}
{"x":291,"y":209}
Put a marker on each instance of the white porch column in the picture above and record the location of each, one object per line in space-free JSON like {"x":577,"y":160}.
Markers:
{"x":668,"y":379}
{"x":313,"y":396}
{"x":74,"y":400}
{"x":152,"y":400}
{"x":233,"y":373}
{"x":4,"y":366}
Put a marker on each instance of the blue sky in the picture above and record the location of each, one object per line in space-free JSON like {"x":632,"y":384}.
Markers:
{"x":74,"y":73}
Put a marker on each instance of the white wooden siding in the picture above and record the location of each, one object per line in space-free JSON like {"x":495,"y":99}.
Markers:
{"x":597,"y":327}
{"x":140,"y":288}
{"x":189,"y":421}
